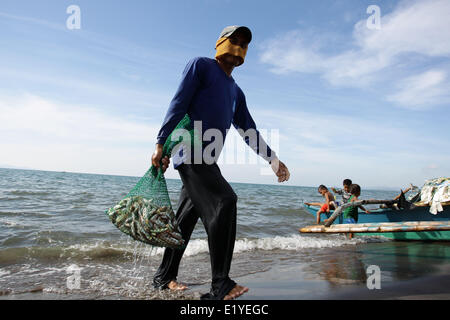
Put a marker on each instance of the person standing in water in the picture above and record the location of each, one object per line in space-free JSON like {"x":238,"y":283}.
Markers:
{"x":208,"y":93}
{"x":350,"y":214}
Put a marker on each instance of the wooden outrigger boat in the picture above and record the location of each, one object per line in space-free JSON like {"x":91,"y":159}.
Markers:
{"x":414,"y":224}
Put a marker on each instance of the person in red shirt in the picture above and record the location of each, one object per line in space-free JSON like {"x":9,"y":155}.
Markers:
{"x":324,"y":207}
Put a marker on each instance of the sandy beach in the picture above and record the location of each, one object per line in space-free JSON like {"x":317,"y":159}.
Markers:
{"x":60,"y":227}
{"x":285,"y":285}
{"x":416,"y":271}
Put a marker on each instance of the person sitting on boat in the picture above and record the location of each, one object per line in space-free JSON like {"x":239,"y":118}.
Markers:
{"x":345,"y":191}
{"x":324,"y":207}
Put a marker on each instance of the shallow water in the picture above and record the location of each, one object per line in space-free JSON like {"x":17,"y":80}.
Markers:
{"x":52,"y":223}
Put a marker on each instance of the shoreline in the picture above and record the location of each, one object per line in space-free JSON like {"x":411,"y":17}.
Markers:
{"x":269,"y":285}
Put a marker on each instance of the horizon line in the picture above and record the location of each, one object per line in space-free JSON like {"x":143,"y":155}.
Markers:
{"x":374,"y":188}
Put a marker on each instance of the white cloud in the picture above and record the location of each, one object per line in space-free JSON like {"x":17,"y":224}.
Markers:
{"x":40,"y":22}
{"x":44,"y":134}
{"x":33,"y":117}
{"x":421,"y":91}
{"x":414,"y":27}
{"x":327,"y":147}
{"x":293,"y":52}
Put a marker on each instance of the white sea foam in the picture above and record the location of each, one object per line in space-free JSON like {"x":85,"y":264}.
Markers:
{"x":4,"y":273}
{"x":9,"y":223}
{"x":292,"y":243}
{"x":198,"y":246}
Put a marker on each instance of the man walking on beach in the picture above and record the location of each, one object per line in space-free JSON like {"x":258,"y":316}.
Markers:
{"x":208,"y":93}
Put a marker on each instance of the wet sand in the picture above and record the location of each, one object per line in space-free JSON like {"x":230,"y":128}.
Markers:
{"x":408,"y":270}
{"x":435,"y":287}
{"x":264,"y":288}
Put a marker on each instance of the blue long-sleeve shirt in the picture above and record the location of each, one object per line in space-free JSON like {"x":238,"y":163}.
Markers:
{"x":206,"y":93}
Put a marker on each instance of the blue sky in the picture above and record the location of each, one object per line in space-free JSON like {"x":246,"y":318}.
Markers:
{"x":347,"y":100}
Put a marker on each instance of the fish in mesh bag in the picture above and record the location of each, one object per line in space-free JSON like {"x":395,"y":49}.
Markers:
{"x":146,"y":213}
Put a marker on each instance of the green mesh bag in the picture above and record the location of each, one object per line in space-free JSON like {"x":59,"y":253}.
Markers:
{"x":146,"y":213}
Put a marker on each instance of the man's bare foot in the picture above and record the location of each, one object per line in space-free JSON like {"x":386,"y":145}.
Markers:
{"x":173,"y":285}
{"x":237,"y":291}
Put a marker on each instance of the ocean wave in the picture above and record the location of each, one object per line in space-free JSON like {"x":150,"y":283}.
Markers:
{"x":120,"y":250}
{"x":291,"y":243}
{"x":4,"y":273}
{"x":16,"y":255}
{"x":200,"y":246}
{"x":20,"y":198}
{"x":28,"y":193}
{"x":10,"y":223}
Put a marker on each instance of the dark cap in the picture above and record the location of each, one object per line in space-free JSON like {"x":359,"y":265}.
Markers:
{"x":230,"y":30}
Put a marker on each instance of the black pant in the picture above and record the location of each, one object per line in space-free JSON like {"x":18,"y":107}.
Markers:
{"x":206,"y":195}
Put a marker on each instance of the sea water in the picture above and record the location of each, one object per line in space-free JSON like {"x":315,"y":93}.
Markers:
{"x":55,"y":238}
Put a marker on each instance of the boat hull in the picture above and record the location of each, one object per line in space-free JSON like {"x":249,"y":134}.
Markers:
{"x":388,"y":215}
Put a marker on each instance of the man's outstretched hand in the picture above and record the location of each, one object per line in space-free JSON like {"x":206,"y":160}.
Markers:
{"x":156,"y":158}
{"x":280,"y":170}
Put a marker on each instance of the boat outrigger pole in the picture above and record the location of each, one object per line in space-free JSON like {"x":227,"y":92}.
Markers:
{"x":409,"y":226}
